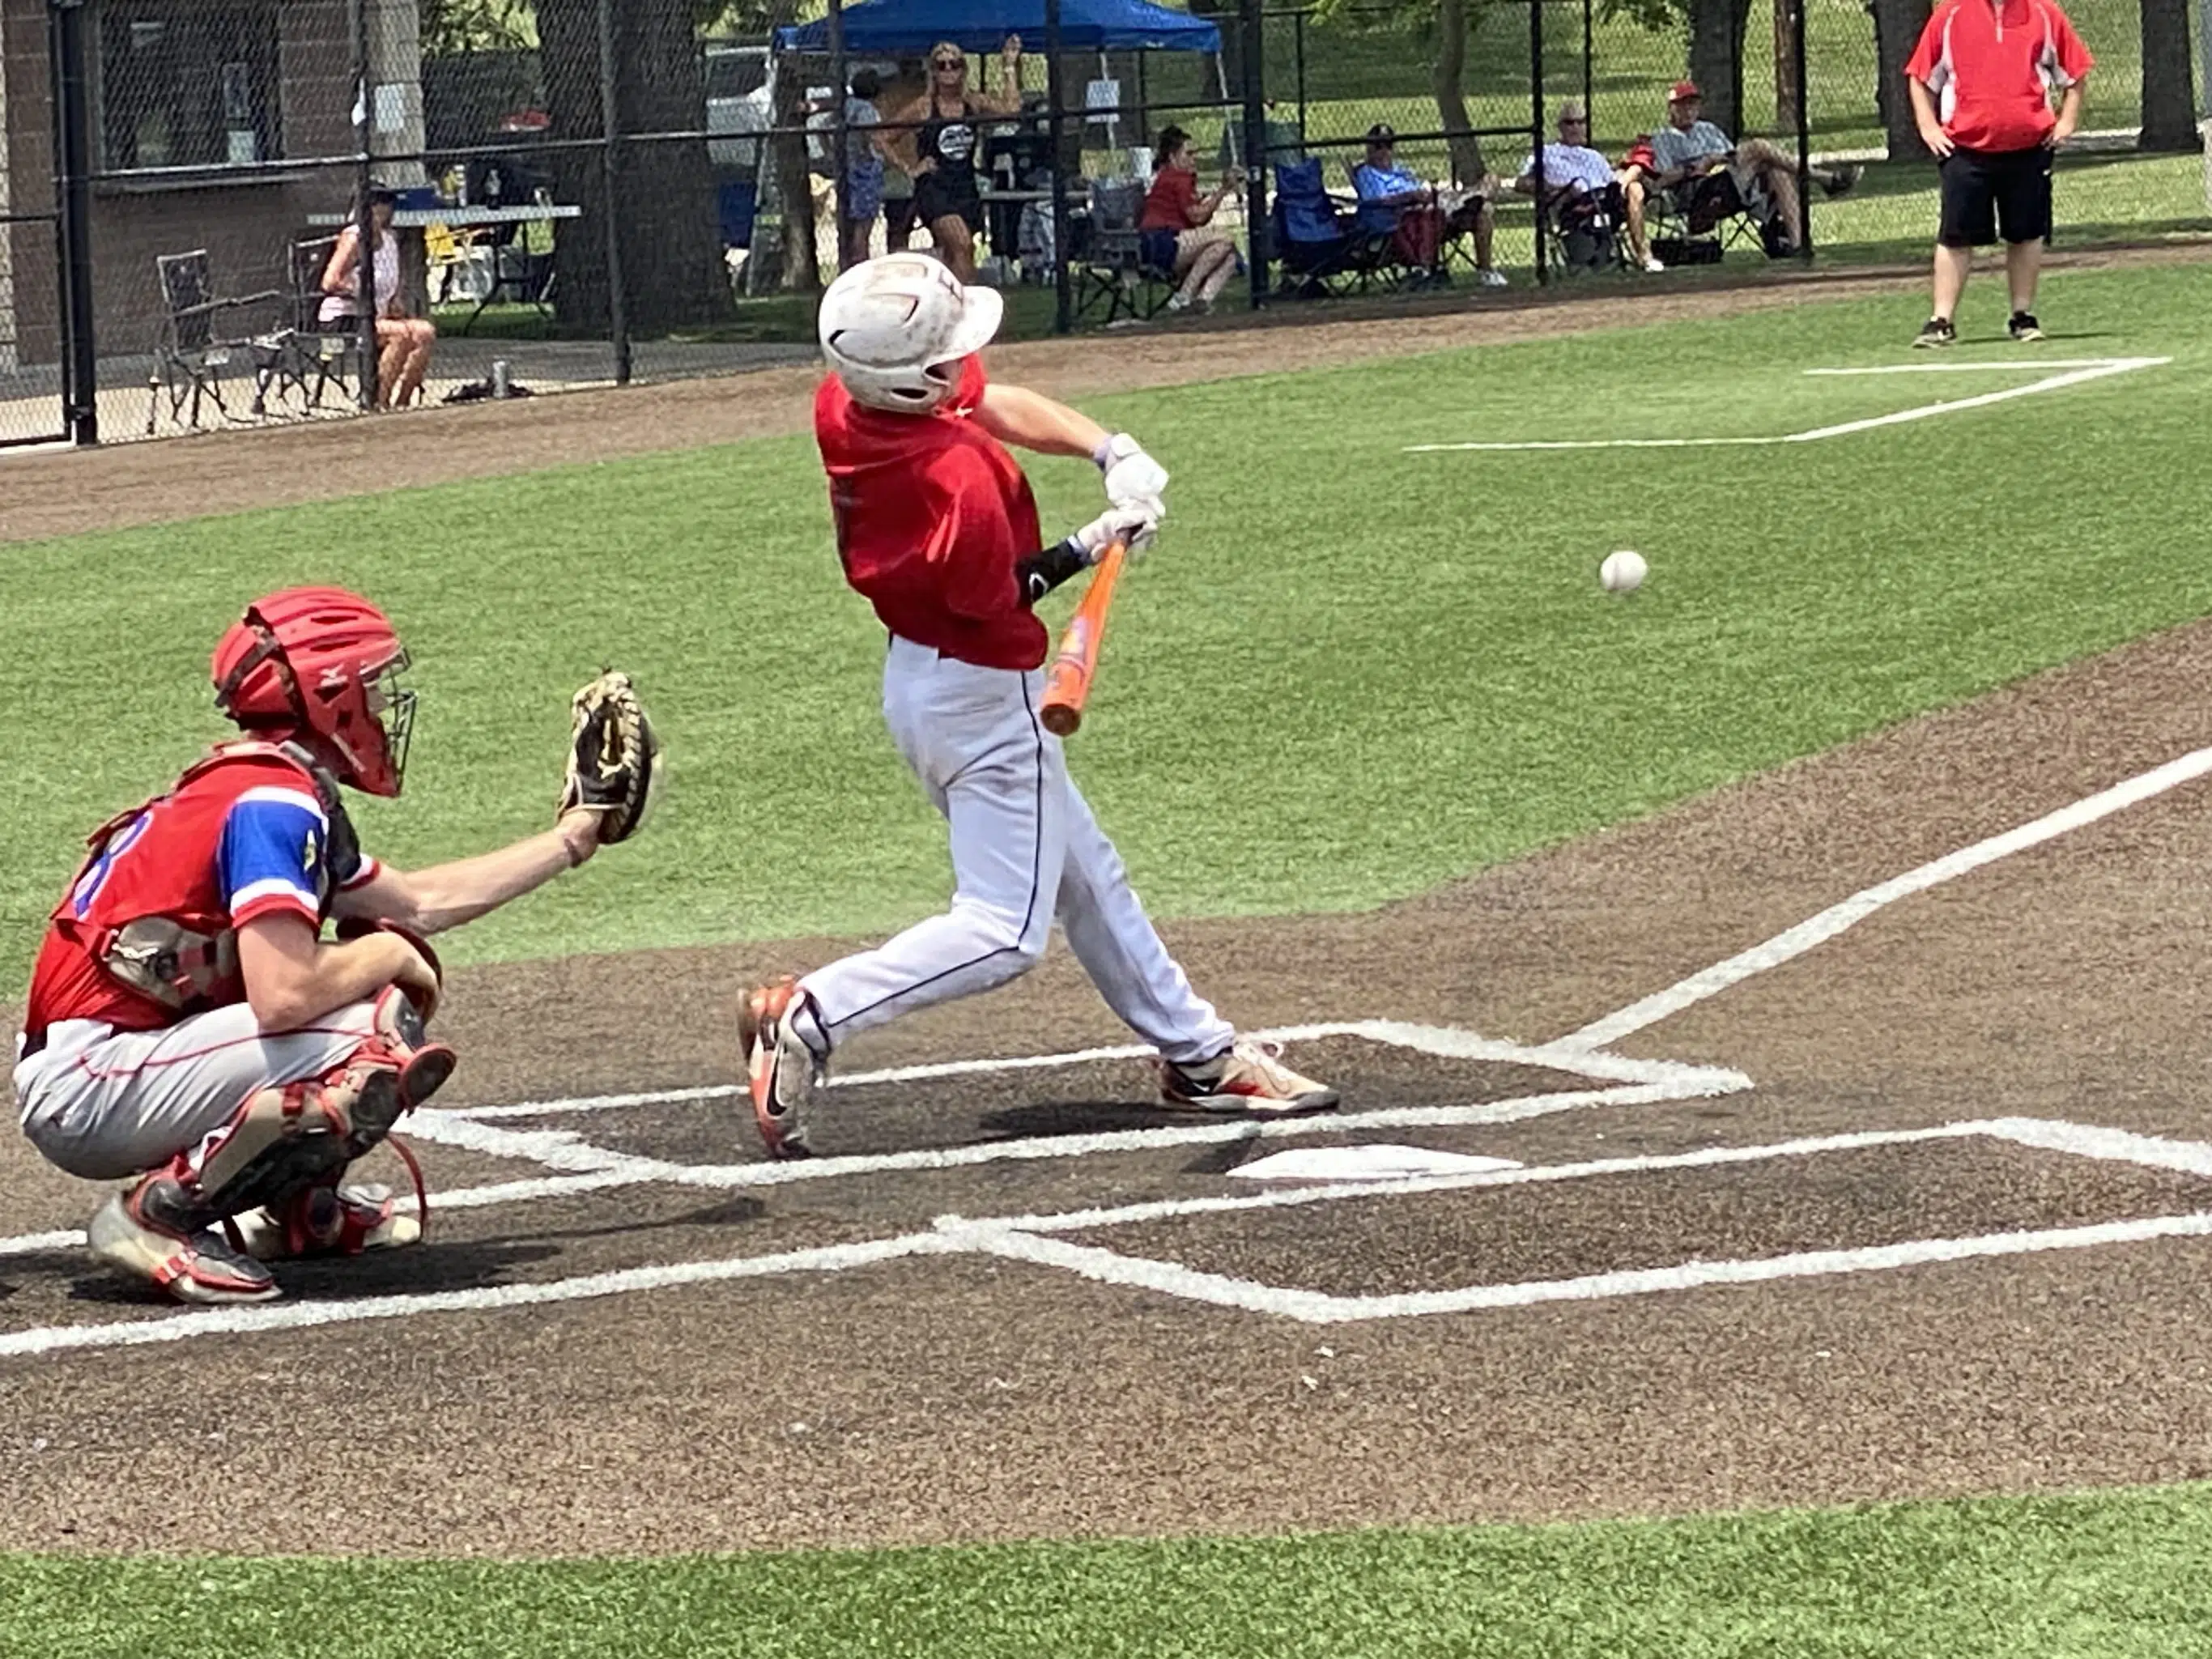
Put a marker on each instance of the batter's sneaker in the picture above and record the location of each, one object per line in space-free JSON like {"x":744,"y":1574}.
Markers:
{"x":154,"y":1232}
{"x":329,"y":1220}
{"x":2023,"y":327}
{"x":1248,"y":1078}
{"x":1936,"y":332}
{"x":782,"y":1069}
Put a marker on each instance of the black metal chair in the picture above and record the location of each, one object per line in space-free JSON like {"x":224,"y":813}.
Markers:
{"x":200,"y":337}
{"x":316,"y":356}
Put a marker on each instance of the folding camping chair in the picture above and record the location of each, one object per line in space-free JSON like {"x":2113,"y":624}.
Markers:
{"x":1112,"y":273}
{"x":190,"y":351}
{"x":1316,"y":242}
{"x":1585,"y":230}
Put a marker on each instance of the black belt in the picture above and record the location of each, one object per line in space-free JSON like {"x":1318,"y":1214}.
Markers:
{"x":34,"y":1042}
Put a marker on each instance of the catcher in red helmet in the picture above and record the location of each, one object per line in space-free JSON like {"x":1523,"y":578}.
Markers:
{"x":231,"y":1003}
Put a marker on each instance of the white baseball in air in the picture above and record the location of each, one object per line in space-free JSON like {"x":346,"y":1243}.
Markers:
{"x":1622,"y":572}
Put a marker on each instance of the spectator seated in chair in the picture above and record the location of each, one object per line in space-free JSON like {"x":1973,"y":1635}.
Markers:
{"x":1580,"y":185}
{"x":1422,"y":216}
{"x":403,"y":343}
{"x":1174,"y":237}
{"x":1713,"y":177}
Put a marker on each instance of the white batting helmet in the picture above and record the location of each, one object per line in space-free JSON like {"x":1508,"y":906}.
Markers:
{"x":887,"y":323}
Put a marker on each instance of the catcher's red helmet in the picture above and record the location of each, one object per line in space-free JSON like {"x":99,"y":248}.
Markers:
{"x":327,"y":661}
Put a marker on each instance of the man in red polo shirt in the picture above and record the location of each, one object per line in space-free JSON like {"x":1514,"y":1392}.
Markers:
{"x":1981,"y":81}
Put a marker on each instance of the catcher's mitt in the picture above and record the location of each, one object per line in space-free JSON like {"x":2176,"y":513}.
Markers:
{"x":614,"y":759}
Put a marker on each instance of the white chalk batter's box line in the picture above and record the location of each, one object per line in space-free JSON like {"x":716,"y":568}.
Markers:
{"x":579,"y":1167}
{"x":2057,"y":373}
{"x":1038,"y":1240}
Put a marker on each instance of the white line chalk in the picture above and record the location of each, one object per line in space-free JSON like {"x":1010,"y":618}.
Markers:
{"x":2076,"y":372}
{"x":1837,"y":918}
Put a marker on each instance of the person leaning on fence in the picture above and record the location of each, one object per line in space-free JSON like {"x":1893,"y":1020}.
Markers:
{"x":1575,"y":174}
{"x":1421,"y":216}
{"x":946,"y":136}
{"x":1980,"y":81}
{"x":1172,"y":231}
{"x":403,"y":343}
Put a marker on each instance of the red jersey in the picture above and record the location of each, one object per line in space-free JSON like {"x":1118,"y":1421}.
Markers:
{"x":1992,"y":65}
{"x":243,"y":834}
{"x":1171,"y":201}
{"x":932,"y":512}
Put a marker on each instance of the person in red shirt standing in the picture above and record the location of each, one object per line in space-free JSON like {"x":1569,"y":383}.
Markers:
{"x":1981,"y":81}
{"x":1172,"y":234}
{"x":189,"y":1029}
{"x":937,"y":529}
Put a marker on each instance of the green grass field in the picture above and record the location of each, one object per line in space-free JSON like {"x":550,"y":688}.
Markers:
{"x":1347,"y":674}
{"x":2117,"y":1574}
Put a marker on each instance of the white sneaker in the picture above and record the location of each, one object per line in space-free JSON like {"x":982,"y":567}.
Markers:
{"x":1651,"y":264}
{"x":1490,"y":278}
{"x":1178,"y":303}
{"x":1248,"y":1078}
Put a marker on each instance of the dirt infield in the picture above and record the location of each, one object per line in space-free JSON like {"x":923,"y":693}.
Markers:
{"x":1918,"y":1209}
{"x":59,"y":493}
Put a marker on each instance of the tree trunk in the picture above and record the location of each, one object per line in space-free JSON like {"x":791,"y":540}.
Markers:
{"x":1716,"y":28}
{"x":1467,"y":166}
{"x":1785,"y":67}
{"x":2169,"y":99}
{"x":1897,"y":26}
{"x":672,"y":256}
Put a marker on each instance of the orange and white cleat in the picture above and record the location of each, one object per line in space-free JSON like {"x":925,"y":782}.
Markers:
{"x":783,"y":1071}
{"x":1248,"y":1079}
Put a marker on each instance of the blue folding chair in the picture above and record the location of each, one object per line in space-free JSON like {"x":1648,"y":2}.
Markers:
{"x":1315,"y":241}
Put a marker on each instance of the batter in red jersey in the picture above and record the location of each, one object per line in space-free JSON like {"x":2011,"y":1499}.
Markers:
{"x":936,"y":528}
{"x":190,"y":1029}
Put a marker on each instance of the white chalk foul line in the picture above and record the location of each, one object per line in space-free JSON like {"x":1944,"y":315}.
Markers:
{"x":1837,"y":918}
{"x":2088,"y":369}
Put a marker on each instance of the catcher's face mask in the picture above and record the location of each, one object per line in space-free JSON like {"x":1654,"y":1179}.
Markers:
{"x":391,"y":705}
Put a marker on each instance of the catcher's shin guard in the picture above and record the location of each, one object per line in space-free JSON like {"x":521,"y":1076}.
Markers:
{"x":295,"y":1135}
{"x":286,"y":1142}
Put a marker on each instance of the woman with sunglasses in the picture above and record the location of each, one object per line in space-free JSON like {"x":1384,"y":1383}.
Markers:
{"x":946,"y":136}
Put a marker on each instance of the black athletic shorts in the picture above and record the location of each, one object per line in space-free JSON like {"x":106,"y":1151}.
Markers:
{"x":1984,"y":189}
{"x":949,"y":192}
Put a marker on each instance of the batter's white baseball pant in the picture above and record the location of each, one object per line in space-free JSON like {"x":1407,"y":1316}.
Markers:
{"x":107,"y":1104}
{"x":1024,"y":848}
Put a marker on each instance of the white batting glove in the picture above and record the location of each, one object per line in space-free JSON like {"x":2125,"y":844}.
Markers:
{"x":1131,"y":476}
{"x":1133,"y":526}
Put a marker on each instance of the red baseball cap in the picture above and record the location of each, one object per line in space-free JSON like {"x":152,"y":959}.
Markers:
{"x":1683,"y":89}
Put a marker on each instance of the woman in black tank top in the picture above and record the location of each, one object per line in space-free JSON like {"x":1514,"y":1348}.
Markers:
{"x":948,"y":136}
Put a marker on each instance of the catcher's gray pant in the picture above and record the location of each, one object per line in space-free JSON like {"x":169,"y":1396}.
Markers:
{"x":107,"y":1104}
{"x":1024,"y":847}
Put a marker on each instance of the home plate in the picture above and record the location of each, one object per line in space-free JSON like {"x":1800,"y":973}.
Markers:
{"x":1365,"y":1163}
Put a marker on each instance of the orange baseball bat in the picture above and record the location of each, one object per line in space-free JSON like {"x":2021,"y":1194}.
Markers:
{"x":1067,"y":682}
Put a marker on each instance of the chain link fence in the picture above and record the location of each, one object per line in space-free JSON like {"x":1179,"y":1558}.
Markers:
{"x":586,"y":192}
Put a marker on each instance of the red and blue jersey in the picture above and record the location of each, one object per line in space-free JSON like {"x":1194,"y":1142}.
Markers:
{"x":243,"y":835}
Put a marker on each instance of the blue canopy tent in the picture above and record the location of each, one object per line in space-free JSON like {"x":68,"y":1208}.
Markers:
{"x":910,"y":27}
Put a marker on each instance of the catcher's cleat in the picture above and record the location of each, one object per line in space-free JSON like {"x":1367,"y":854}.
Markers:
{"x":328,"y":1220}
{"x":783,"y":1072}
{"x":155,"y":1231}
{"x":1248,"y":1078}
